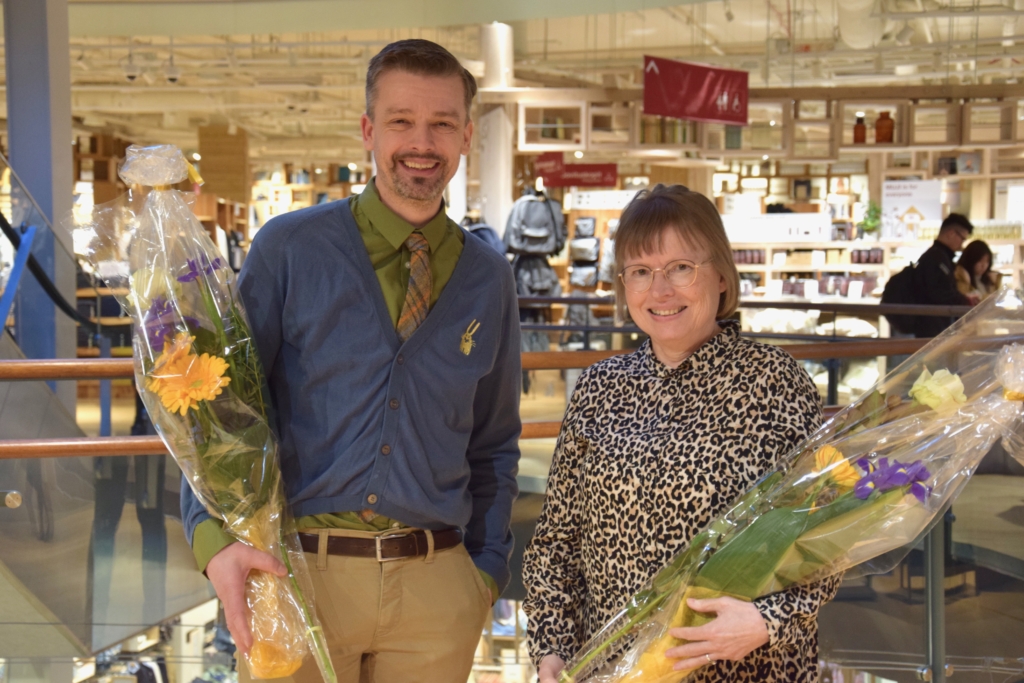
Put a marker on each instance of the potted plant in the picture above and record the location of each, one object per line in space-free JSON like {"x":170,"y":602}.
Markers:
{"x":872,"y":220}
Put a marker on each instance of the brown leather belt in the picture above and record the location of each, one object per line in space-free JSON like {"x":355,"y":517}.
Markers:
{"x":384,"y":548}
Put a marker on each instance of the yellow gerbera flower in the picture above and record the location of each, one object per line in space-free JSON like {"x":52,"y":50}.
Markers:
{"x":829,"y":459}
{"x":185,"y":379}
{"x":170,"y":357}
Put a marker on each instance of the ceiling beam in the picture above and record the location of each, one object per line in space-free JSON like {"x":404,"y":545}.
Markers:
{"x":246,"y":17}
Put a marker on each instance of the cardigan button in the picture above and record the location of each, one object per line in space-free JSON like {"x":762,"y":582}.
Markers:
{"x":372,"y":499}
{"x":394,"y":404}
{"x":385,"y":449}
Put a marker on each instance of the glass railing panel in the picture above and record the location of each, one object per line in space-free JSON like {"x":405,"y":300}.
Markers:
{"x":191,"y":646}
{"x":984,"y":566}
{"x":96,"y":552}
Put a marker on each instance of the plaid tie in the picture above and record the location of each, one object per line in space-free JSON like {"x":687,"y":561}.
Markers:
{"x":417,"y":296}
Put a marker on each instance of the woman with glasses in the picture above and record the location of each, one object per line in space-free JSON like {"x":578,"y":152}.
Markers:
{"x":657,"y":443}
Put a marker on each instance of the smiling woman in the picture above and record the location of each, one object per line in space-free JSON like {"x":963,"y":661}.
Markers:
{"x":677,"y":233}
{"x":656,"y":443}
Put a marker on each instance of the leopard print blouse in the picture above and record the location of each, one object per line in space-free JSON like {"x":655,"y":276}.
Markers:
{"x":646,"y":458}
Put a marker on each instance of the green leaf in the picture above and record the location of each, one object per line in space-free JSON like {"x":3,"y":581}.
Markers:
{"x":745,"y":565}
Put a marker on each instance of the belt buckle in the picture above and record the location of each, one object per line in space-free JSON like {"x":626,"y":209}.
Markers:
{"x":378,"y":539}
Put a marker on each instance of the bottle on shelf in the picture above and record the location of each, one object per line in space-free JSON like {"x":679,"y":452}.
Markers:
{"x":884,"y":128}
{"x":859,"y":131}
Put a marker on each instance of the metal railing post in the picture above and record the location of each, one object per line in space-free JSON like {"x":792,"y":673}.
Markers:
{"x":105,"y":398}
{"x":935,"y":598}
{"x":832,"y":364}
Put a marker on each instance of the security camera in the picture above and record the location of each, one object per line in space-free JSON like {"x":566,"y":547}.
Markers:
{"x":131,"y":71}
{"x":172,"y":74}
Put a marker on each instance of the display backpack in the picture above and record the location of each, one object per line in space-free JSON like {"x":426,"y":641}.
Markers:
{"x":900,"y":290}
{"x":534,"y":227}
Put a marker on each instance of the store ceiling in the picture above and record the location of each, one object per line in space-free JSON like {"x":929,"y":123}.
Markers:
{"x":291,"y":72}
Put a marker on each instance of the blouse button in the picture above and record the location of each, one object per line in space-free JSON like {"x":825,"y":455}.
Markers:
{"x":372,"y":499}
{"x":385,"y":449}
{"x":400,"y":360}
{"x":394,"y":404}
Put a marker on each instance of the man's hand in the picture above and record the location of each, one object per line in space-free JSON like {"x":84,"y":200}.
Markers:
{"x":737,"y":630}
{"x":550,"y":667}
{"x":227,"y":571}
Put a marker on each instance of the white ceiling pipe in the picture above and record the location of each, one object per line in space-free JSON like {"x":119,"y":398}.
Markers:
{"x":496,"y":52}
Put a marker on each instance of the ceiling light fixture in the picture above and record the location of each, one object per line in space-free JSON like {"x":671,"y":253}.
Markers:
{"x":353,"y":166}
{"x":578,"y":154}
{"x":196,"y":156}
{"x":729,"y":16}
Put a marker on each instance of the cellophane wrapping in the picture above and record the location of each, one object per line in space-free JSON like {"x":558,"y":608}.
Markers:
{"x":199,"y":375}
{"x":853,"y":497}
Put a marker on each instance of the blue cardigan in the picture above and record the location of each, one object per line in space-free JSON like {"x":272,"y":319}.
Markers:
{"x":428,"y":429}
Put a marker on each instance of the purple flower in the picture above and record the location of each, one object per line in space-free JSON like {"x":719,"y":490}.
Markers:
{"x":161,"y":321}
{"x":207,"y":267}
{"x":885,"y":476}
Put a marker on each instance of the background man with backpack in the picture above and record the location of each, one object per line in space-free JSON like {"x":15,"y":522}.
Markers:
{"x":931,"y":281}
{"x":934,"y":279}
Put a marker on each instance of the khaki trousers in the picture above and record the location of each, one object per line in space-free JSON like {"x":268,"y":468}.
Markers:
{"x":406,"y":621}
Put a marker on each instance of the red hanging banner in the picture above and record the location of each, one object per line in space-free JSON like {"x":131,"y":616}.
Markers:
{"x":556,"y":173}
{"x":695,"y":92}
{"x":584,"y":175}
{"x":549,"y":163}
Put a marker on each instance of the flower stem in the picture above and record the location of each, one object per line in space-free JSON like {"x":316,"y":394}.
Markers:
{"x":570,"y":675}
{"x":214,"y":313}
{"x":321,"y":653}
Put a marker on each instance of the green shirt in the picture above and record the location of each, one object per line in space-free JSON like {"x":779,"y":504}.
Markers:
{"x":384,"y":234}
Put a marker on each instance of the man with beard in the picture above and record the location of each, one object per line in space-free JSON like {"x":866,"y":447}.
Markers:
{"x":391,"y":347}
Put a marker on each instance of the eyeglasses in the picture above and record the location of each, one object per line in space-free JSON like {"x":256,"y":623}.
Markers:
{"x":680,"y":274}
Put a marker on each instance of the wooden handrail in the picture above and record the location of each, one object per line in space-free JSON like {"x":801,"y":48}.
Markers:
{"x":107,"y":368}
{"x":66,"y":369}
{"x":83,"y":446}
{"x":152,"y":445}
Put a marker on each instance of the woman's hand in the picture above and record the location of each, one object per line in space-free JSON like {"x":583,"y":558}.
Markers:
{"x":737,"y":630}
{"x":550,"y":667}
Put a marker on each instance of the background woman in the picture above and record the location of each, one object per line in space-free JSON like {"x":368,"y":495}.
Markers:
{"x":974,"y":274}
{"x":656,"y":443}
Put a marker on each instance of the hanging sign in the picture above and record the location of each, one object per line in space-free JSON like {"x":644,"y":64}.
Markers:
{"x":552,"y":168}
{"x":584,"y":175}
{"x":549,"y":163}
{"x":695,"y":92}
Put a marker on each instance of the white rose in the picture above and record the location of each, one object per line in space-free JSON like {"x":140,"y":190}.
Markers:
{"x":941,"y":391}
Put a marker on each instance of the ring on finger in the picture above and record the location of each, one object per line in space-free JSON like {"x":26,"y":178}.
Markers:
{"x":708,"y":656}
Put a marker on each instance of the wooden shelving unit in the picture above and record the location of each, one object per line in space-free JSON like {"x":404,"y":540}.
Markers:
{"x":96,"y":159}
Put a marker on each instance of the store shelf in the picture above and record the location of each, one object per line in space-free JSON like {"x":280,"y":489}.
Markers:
{"x":830,"y":268}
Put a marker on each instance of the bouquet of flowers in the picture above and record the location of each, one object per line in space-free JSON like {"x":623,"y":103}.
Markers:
{"x":197,"y":370}
{"x":851,"y":498}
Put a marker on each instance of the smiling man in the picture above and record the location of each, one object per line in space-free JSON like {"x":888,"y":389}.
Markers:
{"x":391,"y":347}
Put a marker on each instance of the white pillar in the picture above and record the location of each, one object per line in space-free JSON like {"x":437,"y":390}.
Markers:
{"x":457,"y":192}
{"x":37,"y":53}
{"x":497,"y":134}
